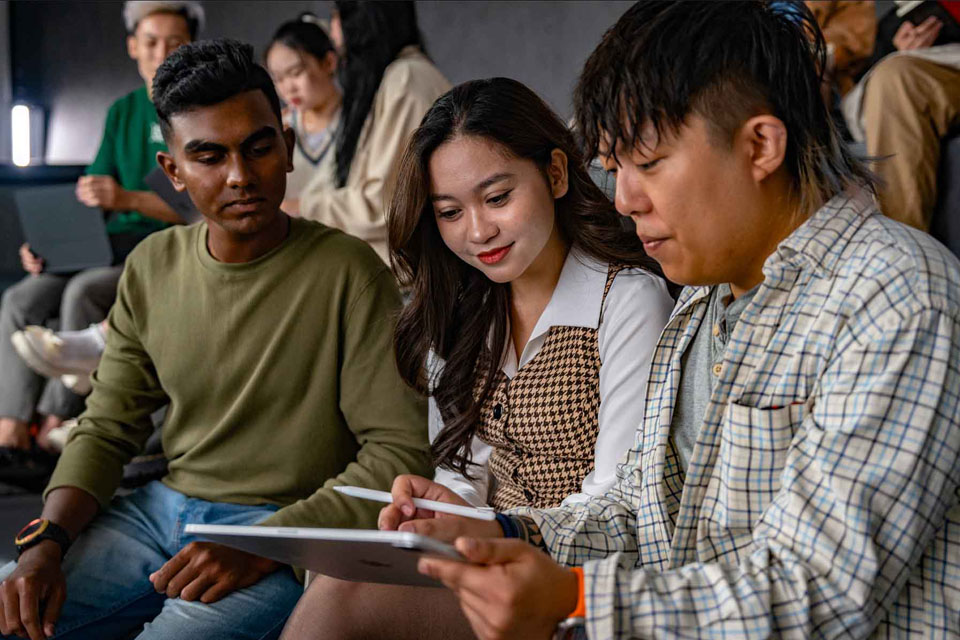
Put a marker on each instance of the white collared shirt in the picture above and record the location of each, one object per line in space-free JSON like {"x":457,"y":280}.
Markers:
{"x":635,"y":311}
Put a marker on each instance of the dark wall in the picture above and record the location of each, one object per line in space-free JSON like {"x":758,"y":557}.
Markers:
{"x":542,"y":44}
{"x":5,"y":96}
{"x":71,"y":56}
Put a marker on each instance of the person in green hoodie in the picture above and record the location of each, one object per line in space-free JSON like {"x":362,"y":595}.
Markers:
{"x":270,"y":338}
{"x":114,"y":182}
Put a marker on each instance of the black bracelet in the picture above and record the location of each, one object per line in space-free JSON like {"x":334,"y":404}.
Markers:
{"x":508,"y":525}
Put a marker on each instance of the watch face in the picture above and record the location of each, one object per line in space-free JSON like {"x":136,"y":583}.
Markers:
{"x":31,"y":531}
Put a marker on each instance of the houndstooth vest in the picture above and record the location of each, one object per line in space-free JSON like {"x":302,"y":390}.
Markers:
{"x":542,"y":424}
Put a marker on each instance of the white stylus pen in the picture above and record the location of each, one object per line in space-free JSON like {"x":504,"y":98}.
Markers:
{"x":382,"y":496}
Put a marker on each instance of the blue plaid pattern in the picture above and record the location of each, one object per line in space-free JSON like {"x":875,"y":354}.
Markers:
{"x":821,"y":497}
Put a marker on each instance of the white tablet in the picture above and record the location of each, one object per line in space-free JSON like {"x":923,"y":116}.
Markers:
{"x":360,"y":555}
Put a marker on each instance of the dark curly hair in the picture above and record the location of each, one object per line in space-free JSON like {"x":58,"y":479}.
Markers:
{"x":208,"y":72}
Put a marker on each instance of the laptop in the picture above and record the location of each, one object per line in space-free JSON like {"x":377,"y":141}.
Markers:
{"x":66,"y":233}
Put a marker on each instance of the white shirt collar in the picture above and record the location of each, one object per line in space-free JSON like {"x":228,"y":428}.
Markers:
{"x":576,"y":302}
{"x":577,"y":297}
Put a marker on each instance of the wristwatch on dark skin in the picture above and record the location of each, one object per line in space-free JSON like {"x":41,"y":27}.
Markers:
{"x":39,"y":530}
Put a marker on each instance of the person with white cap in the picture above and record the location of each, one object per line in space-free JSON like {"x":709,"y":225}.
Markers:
{"x":115,"y":183}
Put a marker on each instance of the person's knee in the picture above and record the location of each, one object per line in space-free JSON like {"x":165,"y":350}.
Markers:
{"x":18,"y":302}
{"x":81,"y":298}
{"x":333,"y":594}
{"x":892,"y":78}
{"x":77,"y":289}
{"x":330,"y":605}
{"x":9,"y":300}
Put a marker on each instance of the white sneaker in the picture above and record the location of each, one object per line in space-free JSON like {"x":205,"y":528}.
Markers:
{"x":80,"y":385}
{"x":52,"y":356}
{"x":58,"y":437}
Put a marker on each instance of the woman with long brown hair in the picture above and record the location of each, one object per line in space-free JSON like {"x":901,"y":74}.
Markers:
{"x":532,"y":320}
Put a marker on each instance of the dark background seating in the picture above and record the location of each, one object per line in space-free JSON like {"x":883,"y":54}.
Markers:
{"x":945,"y":225}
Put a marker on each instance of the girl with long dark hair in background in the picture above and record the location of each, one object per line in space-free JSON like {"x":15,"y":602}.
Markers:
{"x":388,"y":84}
{"x":302,"y":61}
{"x":532,"y":320}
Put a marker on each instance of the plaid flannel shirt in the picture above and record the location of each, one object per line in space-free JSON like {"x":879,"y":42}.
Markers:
{"x":821,"y":497}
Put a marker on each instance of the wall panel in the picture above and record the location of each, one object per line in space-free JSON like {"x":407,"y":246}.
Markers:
{"x":71,"y":56}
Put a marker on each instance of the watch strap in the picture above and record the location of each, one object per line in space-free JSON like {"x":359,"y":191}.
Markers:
{"x":581,"y":610}
{"x":48,"y":531}
{"x":571,"y":629}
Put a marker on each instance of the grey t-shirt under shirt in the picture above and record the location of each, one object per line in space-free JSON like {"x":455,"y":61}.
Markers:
{"x":701,"y":367}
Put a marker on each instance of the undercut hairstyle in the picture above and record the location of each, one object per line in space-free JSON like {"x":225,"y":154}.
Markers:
{"x":374,"y":32}
{"x":725,"y":62}
{"x":205,"y":73}
{"x":455,"y":311}
{"x":304,"y":35}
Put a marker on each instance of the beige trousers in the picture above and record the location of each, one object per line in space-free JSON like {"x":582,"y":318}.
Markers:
{"x":909,"y":104}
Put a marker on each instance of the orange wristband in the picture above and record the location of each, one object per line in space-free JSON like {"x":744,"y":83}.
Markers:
{"x":581,"y":610}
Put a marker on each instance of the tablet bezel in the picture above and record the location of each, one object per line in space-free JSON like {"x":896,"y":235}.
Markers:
{"x":387,"y":557}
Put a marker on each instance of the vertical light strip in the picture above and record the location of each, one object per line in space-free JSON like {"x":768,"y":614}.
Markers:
{"x":20,"y":135}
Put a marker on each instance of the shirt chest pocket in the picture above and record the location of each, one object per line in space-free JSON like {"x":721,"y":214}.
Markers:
{"x":753,"y":449}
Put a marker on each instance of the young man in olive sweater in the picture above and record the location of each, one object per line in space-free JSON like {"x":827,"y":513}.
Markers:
{"x":271,"y":340}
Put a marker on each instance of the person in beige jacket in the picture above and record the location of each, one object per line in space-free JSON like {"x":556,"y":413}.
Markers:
{"x":388,"y":85}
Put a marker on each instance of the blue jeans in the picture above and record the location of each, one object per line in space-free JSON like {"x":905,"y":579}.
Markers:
{"x":110,"y":596}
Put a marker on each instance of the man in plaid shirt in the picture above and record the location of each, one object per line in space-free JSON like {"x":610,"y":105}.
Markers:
{"x":797,"y":470}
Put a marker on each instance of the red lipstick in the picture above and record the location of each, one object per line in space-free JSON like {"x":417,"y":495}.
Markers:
{"x":495,"y":255}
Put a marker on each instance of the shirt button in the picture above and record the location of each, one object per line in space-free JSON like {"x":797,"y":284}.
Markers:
{"x":716,"y":330}
{"x":717,"y":369}
{"x":497,"y":411}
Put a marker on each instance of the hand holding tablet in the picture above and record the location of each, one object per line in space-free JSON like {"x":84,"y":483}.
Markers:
{"x":387,"y":557}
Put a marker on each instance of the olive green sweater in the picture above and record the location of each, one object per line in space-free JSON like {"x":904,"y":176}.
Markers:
{"x":279,"y":372}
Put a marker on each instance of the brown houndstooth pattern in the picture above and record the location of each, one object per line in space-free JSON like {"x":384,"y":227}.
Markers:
{"x":542,"y":424}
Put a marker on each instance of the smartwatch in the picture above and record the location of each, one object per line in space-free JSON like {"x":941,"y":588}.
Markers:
{"x":573,"y":627}
{"x":39,"y":530}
